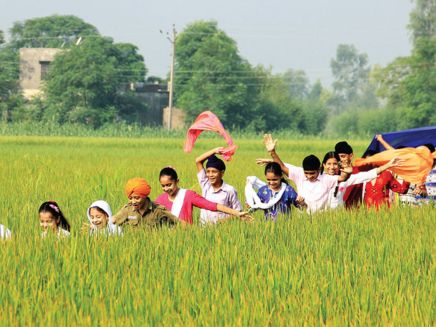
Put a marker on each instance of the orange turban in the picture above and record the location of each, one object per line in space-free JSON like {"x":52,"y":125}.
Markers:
{"x":137,"y":186}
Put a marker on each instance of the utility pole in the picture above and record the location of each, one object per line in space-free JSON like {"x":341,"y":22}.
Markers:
{"x":172,"y":40}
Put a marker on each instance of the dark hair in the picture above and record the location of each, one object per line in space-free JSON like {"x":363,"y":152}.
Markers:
{"x":99,"y":210}
{"x":343,"y":147}
{"x":274,"y":167}
{"x":429,"y":146}
{"x":53,"y":208}
{"x":168,"y":171}
{"x":214,"y":162}
{"x":311,"y":163}
{"x":329,"y":155}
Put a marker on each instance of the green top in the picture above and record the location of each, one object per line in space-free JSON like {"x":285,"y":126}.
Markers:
{"x":152,"y":215}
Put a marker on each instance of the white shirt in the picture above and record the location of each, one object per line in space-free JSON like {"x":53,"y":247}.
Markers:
{"x":315,"y":193}
{"x":338,"y":200}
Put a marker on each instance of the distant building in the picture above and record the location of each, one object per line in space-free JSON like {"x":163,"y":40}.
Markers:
{"x":34,"y":66}
{"x":155,"y":96}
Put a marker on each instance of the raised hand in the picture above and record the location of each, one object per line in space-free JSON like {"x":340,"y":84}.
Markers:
{"x":270,"y":143}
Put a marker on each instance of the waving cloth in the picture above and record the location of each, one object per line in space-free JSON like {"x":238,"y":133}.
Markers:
{"x":207,"y":121}
{"x":138,"y":186}
{"x":252,"y":186}
{"x":418,"y":162}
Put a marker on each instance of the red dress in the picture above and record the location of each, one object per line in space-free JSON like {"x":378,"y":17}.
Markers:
{"x":377,"y":194}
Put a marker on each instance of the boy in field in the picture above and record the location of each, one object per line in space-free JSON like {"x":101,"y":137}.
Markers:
{"x":141,"y":211}
{"x":213,"y":188}
{"x":313,"y":188}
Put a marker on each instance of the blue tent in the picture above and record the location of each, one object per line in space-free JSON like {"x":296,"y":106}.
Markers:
{"x":407,"y":138}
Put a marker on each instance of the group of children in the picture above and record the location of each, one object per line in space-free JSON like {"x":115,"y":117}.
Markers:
{"x":329,"y":184}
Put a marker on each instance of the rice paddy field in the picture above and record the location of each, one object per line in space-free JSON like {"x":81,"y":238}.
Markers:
{"x":333,"y":268}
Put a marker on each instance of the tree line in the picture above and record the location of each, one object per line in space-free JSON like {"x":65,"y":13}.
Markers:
{"x":84,"y":81}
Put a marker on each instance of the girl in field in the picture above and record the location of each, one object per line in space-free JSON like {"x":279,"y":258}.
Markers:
{"x":181,"y":201}
{"x":52,"y":220}
{"x":330,"y":166}
{"x":99,"y":214}
{"x":275,"y":197}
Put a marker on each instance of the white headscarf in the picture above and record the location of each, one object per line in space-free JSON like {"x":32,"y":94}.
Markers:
{"x":252,"y":186}
{"x":111,"y":227}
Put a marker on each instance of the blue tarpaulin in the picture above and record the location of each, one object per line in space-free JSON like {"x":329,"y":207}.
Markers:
{"x":407,"y":138}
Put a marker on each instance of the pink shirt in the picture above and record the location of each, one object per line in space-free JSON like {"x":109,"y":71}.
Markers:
{"x":316,"y":193}
{"x":191,"y":199}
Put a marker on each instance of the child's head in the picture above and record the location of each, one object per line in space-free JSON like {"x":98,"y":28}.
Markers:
{"x":330,"y":163}
{"x":137,"y":190}
{"x":99,"y":214}
{"x":273,"y":175}
{"x":311,"y":165}
{"x":215,"y":169}
{"x":51,"y":217}
{"x":345,"y":152}
{"x":169,"y":180}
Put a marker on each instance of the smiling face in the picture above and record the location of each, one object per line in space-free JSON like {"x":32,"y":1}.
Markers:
{"x":331,"y":166}
{"x":311,"y":175}
{"x":169,"y":185}
{"x":346,"y":158}
{"x":48,"y":222}
{"x":274,"y":182}
{"x":214,"y":176}
{"x":98,"y":218}
{"x":137,"y":201}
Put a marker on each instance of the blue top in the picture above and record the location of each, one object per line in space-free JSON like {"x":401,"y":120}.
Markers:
{"x":282,"y":206}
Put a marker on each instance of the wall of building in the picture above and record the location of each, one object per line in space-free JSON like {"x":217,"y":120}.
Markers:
{"x":31,"y":60}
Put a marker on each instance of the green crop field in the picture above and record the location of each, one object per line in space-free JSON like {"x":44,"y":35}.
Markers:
{"x":334,"y":268}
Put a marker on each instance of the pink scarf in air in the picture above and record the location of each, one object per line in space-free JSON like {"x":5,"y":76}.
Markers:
{"x":207,"y":121}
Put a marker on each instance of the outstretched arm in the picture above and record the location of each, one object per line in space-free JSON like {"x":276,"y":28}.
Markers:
{"x":199,"y":161}
{"x":380,"y":138}
{"x":241,"y":214}
{"x":394,"y":162}
{"x":270,"y":145}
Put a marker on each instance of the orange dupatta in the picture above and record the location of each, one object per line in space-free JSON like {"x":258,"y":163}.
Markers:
{"x":418,"y":162}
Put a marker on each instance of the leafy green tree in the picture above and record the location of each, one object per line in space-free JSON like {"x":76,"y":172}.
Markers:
{"x":85,"y":83}
{"x":50,"y":32}
{"x":298,"y":83}
{"x":210,"y":74}
{"x":9,"y":71}
{"x":409,"y":83}
{"x":351,"y":87}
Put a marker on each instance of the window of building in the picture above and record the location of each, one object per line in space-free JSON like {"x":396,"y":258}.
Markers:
{"x":44,"y":69}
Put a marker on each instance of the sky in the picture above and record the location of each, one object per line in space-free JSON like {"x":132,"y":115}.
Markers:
{"x":278,"y":34}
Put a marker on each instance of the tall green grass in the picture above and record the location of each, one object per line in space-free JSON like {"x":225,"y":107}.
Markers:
{"x":335,"y":268}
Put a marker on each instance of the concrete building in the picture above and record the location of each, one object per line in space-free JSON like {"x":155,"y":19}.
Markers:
{"x":34,"y":65}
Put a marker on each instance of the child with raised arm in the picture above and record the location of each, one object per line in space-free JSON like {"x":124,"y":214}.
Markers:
{"x":52,"y":220}
{"x":213,"y":188}
{"x":313,"y":188}
{"x":181,"y":201}
{"x":274,"y":197}
{"x":330,"y":166}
